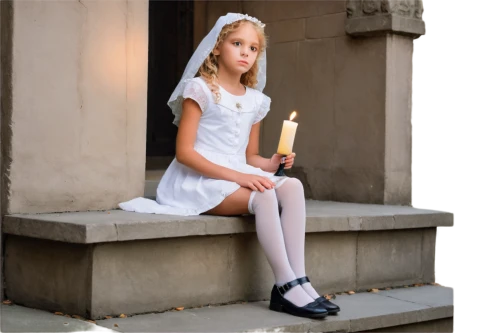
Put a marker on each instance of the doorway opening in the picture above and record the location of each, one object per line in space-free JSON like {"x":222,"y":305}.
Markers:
{"x":170,"y":47}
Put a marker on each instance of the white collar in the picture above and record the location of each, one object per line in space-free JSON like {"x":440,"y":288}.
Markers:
{"x":245,"y":102}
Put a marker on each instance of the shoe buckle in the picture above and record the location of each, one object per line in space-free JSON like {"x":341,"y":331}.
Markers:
{"x":285,"y":288}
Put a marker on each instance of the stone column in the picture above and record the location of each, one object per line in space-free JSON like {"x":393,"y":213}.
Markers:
{"x":74,"y":96}
{"x":373,"y":117}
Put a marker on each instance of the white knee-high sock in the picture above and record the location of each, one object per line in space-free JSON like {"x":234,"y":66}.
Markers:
{"x":290,"y":197}
{"x":268,"y":226}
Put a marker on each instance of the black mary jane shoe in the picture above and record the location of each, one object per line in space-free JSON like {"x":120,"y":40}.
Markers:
{"x":281,"y":304}
{"x":331,"y":307}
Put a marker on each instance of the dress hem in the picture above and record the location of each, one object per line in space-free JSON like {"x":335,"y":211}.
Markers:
{"x":134,"y":205}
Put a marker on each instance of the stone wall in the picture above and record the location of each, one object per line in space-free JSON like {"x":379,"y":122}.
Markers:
{"x":74,"y":130}
{"x":339,"y":87}
{"x":301,"y":77}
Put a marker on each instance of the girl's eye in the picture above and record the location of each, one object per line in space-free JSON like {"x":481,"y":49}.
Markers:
{"x":254,"y":48}
{"x":235,"y":42}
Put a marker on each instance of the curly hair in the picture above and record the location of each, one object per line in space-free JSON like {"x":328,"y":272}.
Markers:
{"x":208,"y":70}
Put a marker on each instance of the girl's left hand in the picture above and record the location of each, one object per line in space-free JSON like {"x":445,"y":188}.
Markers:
{"x":276,"y":160}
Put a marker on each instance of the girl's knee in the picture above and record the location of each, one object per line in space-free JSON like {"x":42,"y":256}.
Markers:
{"x":267,"y":194}
{"x":294,"y":183}
{"x":258,"y":198}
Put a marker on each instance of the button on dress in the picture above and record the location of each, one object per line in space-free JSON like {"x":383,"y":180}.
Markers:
{"x":222,"y":138}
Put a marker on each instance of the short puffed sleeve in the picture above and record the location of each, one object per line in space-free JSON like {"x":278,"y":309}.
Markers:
{"x":195,"y":91}
{"x":263,"y":109}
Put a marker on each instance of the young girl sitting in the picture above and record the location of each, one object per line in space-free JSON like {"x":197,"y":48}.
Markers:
{"x":218,"y":169}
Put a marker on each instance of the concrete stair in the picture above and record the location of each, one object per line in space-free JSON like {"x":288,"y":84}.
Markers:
{"x":422,"y":309}
{"x":95,"y":264}
{"x":410,"y":310}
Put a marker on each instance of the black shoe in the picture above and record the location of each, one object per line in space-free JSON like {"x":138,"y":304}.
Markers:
{"x":331,"y":307}
{"x":281,"y":304}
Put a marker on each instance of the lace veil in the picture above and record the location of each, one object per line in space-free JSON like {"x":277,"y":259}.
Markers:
{"x":202,"y":52}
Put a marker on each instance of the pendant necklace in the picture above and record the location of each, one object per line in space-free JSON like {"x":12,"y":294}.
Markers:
{"x":238,"y":105}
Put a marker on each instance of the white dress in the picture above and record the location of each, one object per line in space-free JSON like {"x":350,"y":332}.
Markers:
{"x":222,"y":138}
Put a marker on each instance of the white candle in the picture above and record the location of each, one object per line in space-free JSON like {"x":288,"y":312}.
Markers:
{"x":287,"y":136}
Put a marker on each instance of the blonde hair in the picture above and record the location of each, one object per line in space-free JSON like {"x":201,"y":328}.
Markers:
{"x":208,"y":70}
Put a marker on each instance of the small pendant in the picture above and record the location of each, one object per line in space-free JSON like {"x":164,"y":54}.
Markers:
{"x":238,"y":106}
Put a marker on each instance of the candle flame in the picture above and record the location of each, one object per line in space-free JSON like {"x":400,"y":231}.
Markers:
{"x":294,"y":113}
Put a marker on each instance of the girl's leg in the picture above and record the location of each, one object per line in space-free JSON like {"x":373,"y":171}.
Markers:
{"x":290,"y":197}
{"x":268,"y":226}
{"x":234,"y":204}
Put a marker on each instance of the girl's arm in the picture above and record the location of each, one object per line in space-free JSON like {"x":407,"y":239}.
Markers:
{"x":252,"y":152}
{"x":186,"y":137}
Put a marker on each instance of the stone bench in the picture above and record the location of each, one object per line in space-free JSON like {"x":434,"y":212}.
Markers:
{"x":111,"y":262}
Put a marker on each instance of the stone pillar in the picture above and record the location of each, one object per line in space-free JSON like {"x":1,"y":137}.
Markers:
{"x":373,"y":101}
{"x":74,"y":96}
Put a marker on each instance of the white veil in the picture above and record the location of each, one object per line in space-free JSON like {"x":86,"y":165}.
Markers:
{"x":202,"y":52}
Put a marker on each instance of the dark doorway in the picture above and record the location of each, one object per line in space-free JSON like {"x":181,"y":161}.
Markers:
{"x":170,"y":47}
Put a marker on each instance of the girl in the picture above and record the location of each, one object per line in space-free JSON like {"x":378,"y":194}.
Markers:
{"x":218,"y":170}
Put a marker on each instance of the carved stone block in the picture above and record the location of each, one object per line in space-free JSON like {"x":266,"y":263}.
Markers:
{"x":373,"y":17}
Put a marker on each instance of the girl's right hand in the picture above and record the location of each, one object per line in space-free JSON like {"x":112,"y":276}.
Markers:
{"x":255,"y":182}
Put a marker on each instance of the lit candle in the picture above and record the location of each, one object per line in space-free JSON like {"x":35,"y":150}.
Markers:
{"x":286,"y":141}
{"x":287,"y":135}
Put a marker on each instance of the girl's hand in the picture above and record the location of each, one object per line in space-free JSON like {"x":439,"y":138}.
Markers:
{"x":289,"y":161}
{"x":255,"y":182}
{"x":276,"y":160}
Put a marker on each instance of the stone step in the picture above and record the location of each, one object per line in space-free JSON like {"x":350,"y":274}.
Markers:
{"x":423,"y":309}
{"x":403,"y":310}
{"x":105,"y":263}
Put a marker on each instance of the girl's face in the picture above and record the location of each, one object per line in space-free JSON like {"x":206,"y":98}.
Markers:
{"x":238,"y":52}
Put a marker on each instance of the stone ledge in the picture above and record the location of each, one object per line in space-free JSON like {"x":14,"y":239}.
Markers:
{"x":386,"y":23}
{"x":118,"y":225}
{"x":359,"y":312}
